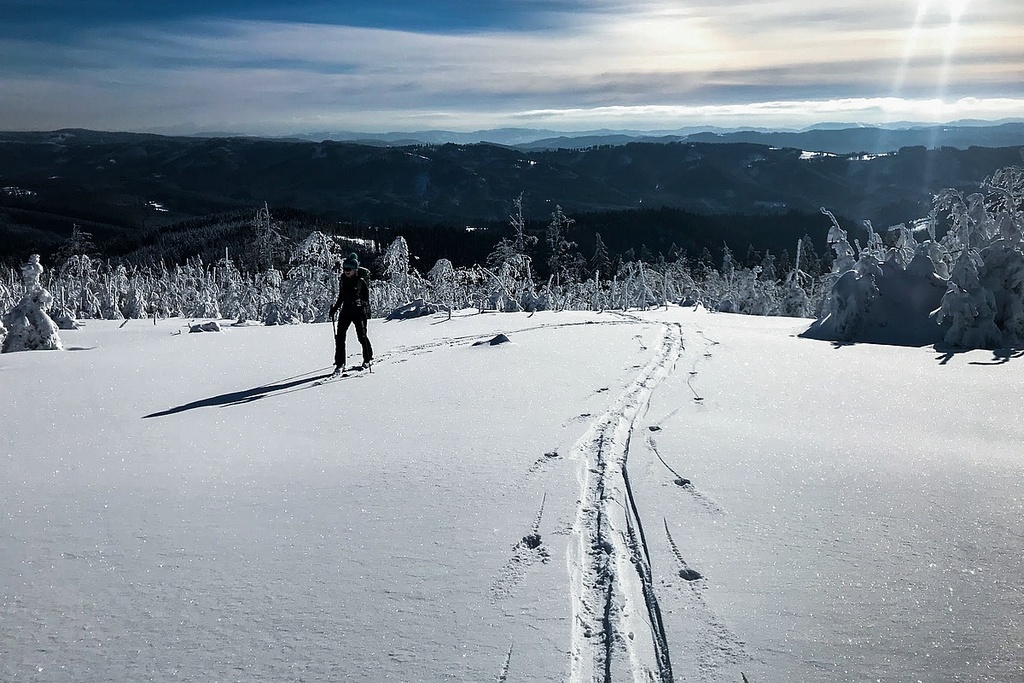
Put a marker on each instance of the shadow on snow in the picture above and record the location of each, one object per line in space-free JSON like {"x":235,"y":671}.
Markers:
{"x":245,"y":395}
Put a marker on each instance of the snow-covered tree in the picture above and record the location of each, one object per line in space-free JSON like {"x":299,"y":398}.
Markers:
{"x":508,"y":277}
{"x":514,"y":249}
{"x":230,"y":282}
{"x":133,"y":301}
{"x":444,"y":284}
{"x":601,"y":261}
{"x":984,"y":302}
{"x":28,"y":327}
{"x":846,"y":257}
{"x":311,"y":285}
{"x":560,"y":257}
{"x":398,"y":263}
{"x":268,"y":245}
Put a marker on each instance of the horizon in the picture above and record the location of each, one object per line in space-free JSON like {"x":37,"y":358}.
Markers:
{"x":535,"y":134}
{"x":272,"y":69}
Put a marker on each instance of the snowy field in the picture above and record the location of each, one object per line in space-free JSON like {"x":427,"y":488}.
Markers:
{"x":670,"y":495}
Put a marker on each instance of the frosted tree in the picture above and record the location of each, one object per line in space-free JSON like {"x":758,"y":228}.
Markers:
{"x":850,"y":298}
{"x":728,"y":262}
{"x":268,"y":244}
{"x":397,"y":264}
{"x":7,"y":294}
{"x":632,"y":288}
{"x":852,"y":286}
{"x":111,"y":288}
{"x":229,"y":288}
{"x":77,"y":274}
{"x":5,"y":302}
{"x":400,"y":283}
{"x":28,"y":326}
{"x":271,"y":305}
{"x":560,"y":260}
{"x":194,"y":291}
{"x":845,"y":255}
{"x":133,"y":303}
{"x":514,"y":249}
{"x":768,"y":269}
{"x":311,"y":285}
{"x":968,"y":306}
{"x":509,"y":269}
{"x":984,"y":301}
{"x":906,"y":244}
{"x":161,"y":297}
{"x":751,"y":295}
{"x":600,"y":262}
{"x":875,"y":246}
{"x":794,"y":301}
{"x":444,"y":285}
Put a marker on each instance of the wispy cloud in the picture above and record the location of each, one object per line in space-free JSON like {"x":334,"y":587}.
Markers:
{"x":651,"y":63}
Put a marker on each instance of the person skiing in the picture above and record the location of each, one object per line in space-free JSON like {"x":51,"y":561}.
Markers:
{"x":354,"y":306}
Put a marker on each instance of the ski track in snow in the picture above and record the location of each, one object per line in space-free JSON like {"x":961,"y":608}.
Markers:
{"x":702,"y":499}
{"x":614,"y":608}
{"x":717,"y":645}
{"x":503,"y":676}
{"x":417,"y":349}
{"x":528,"y":551}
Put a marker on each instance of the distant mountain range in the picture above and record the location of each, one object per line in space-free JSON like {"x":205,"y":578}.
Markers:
{"x":123,"y":185}
{"x":838,"y":138}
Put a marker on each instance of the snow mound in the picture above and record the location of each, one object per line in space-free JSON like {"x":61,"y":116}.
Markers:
{"x":415,"y":309}
{"x":64,"y":319}
{"x":882,"y":303}
{"x":499,"y":339}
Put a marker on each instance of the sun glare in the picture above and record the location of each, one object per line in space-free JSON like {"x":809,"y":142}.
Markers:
{"x":909,"y":47}
{"x":956,"y":11}
{"x":916,"y":44}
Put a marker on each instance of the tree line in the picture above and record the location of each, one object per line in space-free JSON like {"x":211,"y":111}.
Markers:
{"x":973,"y":243}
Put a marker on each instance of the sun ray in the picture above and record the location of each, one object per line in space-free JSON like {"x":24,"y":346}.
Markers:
{"x":956,"y":10}
{"x":909,"y":47}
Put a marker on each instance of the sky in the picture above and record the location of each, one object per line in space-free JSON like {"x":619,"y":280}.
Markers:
{"x":269,"y":67}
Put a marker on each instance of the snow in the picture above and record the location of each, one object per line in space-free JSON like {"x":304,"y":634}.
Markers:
{"x":183,"y":507}
{"x":806,"y":156}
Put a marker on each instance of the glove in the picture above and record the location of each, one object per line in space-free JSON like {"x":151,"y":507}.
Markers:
{"x":334,"y":309}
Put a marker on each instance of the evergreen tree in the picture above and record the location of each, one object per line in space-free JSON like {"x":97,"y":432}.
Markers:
{"x":559,"y":247}
{"x":810,"y":262}
{"x":600,"y":262}
{"x":514,"y":250}
{"x":268,"y":244}
{"x":768,"y":270}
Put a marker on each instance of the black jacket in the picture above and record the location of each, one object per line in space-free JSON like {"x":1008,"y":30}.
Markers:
{"x":354,"y":292}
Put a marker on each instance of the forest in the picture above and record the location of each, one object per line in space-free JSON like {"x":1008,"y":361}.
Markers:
{"x":969,"y":245}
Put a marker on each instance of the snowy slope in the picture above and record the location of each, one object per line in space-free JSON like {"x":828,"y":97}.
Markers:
{"x":189,"y":507}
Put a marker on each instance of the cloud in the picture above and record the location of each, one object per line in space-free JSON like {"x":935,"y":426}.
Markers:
{"x":610,"y":62}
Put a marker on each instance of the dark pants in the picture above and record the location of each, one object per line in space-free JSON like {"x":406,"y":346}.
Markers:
{"x":352,"y":315}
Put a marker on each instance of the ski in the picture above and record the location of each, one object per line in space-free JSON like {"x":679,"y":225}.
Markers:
{"x":353,"y":371}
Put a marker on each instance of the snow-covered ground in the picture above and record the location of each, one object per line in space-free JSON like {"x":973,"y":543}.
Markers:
{"x":190,"y":507}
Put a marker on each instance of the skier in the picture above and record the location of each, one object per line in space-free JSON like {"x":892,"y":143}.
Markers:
{"x":354,"y":304}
